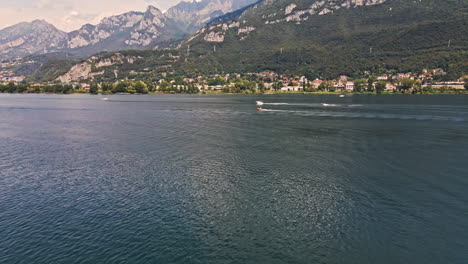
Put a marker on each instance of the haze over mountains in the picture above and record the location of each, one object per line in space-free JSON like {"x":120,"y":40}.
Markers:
{"x":132,"y":30}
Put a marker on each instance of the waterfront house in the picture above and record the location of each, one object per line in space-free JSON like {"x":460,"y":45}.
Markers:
{"x":316,"y":83}
{"x":350,"y":86}
{"x":390,"y":86}
{"x":339,"y":86}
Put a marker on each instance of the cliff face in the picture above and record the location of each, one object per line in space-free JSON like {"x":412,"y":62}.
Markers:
{"x":95,"y":66}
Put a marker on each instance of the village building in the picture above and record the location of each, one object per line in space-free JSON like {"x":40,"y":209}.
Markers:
{"x":350,"y":86}
{"x":390,"y":86}
{"x":340,"y":85}
{"x":316,"y":83}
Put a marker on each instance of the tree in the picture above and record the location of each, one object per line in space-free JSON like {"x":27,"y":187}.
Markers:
{"x":466,"y":84}
{"x":141,"y":87}
{"x":164,"y":86}
{"x":121,"y":87}
{"x":277,"y":85}
{"x":418,"y":85}
{"x":370,"y":84}
{"x":93,"y":88}
{"x":359,"y":85}
{"x":107,"y":87}
{"x":407,"y":83}
{"x":216,"y":81}
{"x":11,"y":87}
{"x":261,"y":87}
{"x":380,"y":86}
{"x":326,"y":86}
{"x":67,"y":89}
{"x":244,"y":85}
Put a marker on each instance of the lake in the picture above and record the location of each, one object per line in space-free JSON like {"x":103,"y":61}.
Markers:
{"x":209,"y":179}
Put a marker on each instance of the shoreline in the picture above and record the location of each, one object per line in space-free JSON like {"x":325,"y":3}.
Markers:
{"x":461,"y":92}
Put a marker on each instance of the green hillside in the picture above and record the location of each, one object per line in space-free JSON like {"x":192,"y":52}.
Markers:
{"x":403,"y":35}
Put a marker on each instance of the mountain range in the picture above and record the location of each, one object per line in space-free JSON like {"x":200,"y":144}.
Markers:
{"x":316,"y":38}
{"x":133,"y":30}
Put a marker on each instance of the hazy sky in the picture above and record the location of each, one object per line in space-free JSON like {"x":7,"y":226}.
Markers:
{"x":69,"y":15}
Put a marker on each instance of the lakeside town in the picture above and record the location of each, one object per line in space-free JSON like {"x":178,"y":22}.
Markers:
{"x":426,"y":81}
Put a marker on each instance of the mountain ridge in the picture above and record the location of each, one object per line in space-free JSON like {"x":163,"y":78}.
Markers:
{"x":334,"y":37}
{"x":351,"y":37}
{"x":131,"y":30}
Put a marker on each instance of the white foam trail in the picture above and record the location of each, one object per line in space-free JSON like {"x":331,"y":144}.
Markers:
{"x":369,"y":115}
{"x":273,"y":110}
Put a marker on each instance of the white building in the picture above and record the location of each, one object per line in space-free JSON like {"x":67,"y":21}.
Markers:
{"x":349,"y":86}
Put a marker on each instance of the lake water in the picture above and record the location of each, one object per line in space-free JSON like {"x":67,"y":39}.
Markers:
{"x":208,"y":179}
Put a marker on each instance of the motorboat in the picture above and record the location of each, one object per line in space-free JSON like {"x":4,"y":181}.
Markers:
{"x":260,"y":103}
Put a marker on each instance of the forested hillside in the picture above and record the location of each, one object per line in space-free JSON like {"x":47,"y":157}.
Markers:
{"x":395,"y":34}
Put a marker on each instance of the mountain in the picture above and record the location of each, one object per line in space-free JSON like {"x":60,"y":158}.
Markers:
{"x":326,"y":38}
{"x":133,"y":30}
{"x":138,"y":30}
{"x":191,"y":16}
{"x":27,"y":38}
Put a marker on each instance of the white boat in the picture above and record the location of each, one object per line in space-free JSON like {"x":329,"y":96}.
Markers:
{"x":260,"y":103}
{"x":342,"y":96}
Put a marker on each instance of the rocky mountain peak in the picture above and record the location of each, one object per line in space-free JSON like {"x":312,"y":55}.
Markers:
{"x":131,"y":30}
{"x":154,"y":11}
{"x":27,"y":38}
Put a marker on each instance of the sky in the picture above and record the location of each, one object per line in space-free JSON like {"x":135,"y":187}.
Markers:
{"x":69,"y":15}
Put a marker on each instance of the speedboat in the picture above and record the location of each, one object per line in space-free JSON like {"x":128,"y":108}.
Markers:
{"x":259,"y":109}
{"x":260,"y":103}
{"x":342,"y":96}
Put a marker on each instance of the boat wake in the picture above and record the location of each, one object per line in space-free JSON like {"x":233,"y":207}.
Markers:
{"x":260,"y":103}
{"x":367,"y":115}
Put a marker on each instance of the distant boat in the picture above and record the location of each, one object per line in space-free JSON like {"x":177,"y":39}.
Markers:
{"x":342,"y":96}
{"x":105,"y":99}
{"x":259,"y":109}
{"x":260,"y":103}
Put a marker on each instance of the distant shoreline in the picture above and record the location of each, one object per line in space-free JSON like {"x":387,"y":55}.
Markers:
{"x":456,"y":92}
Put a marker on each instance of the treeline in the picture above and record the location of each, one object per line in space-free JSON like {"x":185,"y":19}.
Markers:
{"x":25,"y":88}
{"x":131,"y":87}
